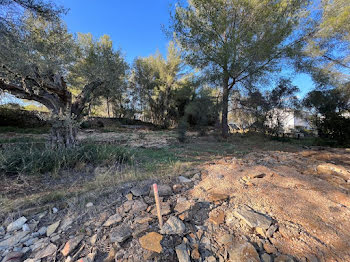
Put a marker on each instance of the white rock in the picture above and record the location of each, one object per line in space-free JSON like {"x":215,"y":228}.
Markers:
{"x":90,"y":204}
{"x":183,"y":179}
{"x":54,"y":210}
{"x":52,"y":228}
{"x":25,"y":227}
{"x":13,"y":240}
{"x":16,"y":224}
{"x":42,"y":230}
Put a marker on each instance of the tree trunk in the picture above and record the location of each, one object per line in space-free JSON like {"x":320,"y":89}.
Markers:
{"x":224,"y":124}
{"x":63,"y":134}
{"x":108,"y":107}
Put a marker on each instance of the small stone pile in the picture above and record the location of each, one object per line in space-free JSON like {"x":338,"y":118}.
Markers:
{"x":207,"y":230}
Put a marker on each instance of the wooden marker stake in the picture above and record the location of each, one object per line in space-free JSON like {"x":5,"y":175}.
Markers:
{"x":156,"y":196}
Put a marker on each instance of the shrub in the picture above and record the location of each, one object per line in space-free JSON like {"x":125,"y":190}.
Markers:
{"x":181,"y":130}
{"x":36,"y":158}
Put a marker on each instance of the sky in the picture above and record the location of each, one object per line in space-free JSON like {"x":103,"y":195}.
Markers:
{"x":135,"y":26}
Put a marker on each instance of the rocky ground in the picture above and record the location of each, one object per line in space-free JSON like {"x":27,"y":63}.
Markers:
{"x":266,"y":206}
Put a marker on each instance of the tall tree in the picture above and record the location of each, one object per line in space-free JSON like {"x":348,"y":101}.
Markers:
{"x":155,"y":79}
{"x":236,"y":41}
{"x":33,"y":68}
{"x":96,"y":59}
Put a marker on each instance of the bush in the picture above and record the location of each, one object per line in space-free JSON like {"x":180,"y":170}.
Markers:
{"x":36,"y":158}
{"x":181,"y":131}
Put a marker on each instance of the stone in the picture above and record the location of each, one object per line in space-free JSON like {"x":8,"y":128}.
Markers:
{"x":112,"y":220}
{"x":217,"y":217}
{"x":25,"y":227}
{"x":67,"y":222}
{"x":143,"y":219}
{"x":163,"y":190}
{"x":210,"y":259}
{"x":151,"y":241}
{"x":2,"y":231}
{"x":182,"y":204}
{"x":54,"y":239}
{"x":111,"y":255}
{"x":71,"y":245}
{"x":120,"y":234}
{"x":42,"y":231}
{"x":139,"y":229}
{"x":196,"y":177}
{"x":90,"y":204}
{"x":243,"y":251}
{"x":13,"y":240}
{"x":266,"y":258}
{"x":164,"y":209}
{"x":138,"y":206}
{"x":254,"y":220}
{"x":225,"y":239}
{"x":93,"y":239}
{"x":140,"y":191}
{"x":13,"y":257}
{"x":30,"y":241}
{"x":217,"y":197}
{"x":47,"y":251}
{"x":40,"y":244}
{"x":173,"y":226}
{"x":52,"y":228}
{"x":183,"y":179}
{"x":195,"y":253}
{"x":269,"y":248}
{"x":272,"y":229}
{"x":89,"y":258}
{"x":54,"y":210}
{"x":283,"y":258}
{"x":17,"y":224}
{"x":129,"y":196}
{"x":182,"y":254}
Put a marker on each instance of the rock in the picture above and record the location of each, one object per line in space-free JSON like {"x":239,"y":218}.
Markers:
{"x":164,"y":209}
{"x":272,"y":229}
{"x":269,"y":248}
{"x":120,"y":234}
{"x":89,"y":258}
{"x":13,"y":240}
{"x":196,"y":177}
{"x":30,"y":241}
{"x":138,"y":206}
{"x":283,"y":258}
{"x":111,"y":255}
{"x":139,"y":229}
{"x":2,"y":231}
{"x":71,"y":245}
{"x":42,"y":230}
{"x":129,"y":196}
{"x":182,"y":204}
{"x":54,"y":239}
{"x":254,"y":220}
{"x":25,"y":227}
{"x":143,"y":219}
{"x":183,"y":179}
{"x":151,"y":241}
{"x":210,"y":259}
{"x":54,"y":210}
{"x":90,"y":204}
{"x":16,"y":224}
{"x":40,"y":244}
{"x":52,"y":228}
{"x":112,"y":220}
{"x":66,"y":223}
{"x":217,"y":217}
{"x":195,"y":253}
{"x":163,"y":190}
{"x":140,"y":190}
{"x":243,"y":251}
{"x":266,"y":258}
{"x":216,"y":197}
{"x":13,"y":257}
{"x":182,"y":254}
{"x":225,"y":239}
{"x":93,"y":239}
{"x":47,"y":251}
{"x":173,"y":226}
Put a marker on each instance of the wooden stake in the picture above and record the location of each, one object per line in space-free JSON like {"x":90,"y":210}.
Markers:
{"x":156,"y":196}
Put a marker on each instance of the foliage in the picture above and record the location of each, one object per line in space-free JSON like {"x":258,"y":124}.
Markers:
{"x":237,"y":42}
{"x":96,"y":59}
{"x":36,"y":158}
{"x":181,"y":130}
{"x":331,"y":113}
{"x":156,"y":81}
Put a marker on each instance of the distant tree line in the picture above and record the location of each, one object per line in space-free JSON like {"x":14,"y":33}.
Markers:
{"x":223,"y":59}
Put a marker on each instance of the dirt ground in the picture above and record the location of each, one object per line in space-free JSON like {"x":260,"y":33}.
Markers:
{"x":306,"y":193}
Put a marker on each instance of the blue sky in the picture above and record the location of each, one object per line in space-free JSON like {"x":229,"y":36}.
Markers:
{"x":135,"y":26}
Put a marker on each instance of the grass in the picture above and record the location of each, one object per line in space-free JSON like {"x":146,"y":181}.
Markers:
{"x":37,"y":159}
{"x":11,"y":129}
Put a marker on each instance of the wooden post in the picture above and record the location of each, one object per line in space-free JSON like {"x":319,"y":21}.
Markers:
{"x":156,"y":196}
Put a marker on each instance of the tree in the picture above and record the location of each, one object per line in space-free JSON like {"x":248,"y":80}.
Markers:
{"x":236,"y":41}
{"x":98,"y":60}
{"x":331,"y":113}
{"x":155,"y":81}
{"x":33,"y":68}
